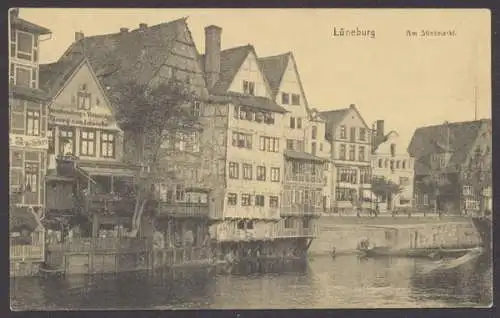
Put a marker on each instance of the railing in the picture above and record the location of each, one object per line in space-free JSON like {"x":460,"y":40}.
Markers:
{"x":102,"y":244}
{"x":26,"y":252}
{"x":281,"y":232}
{"x":300,"y":210}
{"x":319,"y":179}
{"x":183,"y":209}
{"x":111,"y":205}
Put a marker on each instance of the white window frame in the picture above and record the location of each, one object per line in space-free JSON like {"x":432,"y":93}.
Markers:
{"x":34,"y":48}
{"x":33,"y":83}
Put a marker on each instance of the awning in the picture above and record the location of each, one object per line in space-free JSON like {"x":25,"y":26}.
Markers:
{"x":20,"y":217}
{"x":303,"y":156}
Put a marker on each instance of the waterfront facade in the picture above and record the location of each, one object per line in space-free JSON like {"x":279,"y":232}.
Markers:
{"x":86,"y":175}
{"x":350,"y":145}
{"x":28,"y":145}
{"x":446,"y":164}
{"x":390,"y":160}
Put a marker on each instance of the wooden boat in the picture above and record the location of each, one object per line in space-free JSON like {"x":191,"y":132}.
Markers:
{"x":416,"y":252}
{"x":452,"y":263}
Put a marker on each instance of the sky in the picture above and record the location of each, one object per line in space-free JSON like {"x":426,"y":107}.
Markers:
{"x":407,"y":81}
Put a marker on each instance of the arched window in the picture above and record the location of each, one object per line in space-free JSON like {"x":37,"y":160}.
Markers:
{"x":404,"y":164}
{"x":380,"y":162}
{"x":397,"y":164}
{"x":386,"y":165}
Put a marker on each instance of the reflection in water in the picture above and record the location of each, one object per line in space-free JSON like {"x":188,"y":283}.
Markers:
{"x":346,"y":281}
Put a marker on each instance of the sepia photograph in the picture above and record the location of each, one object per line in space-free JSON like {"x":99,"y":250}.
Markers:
{"x":249,"y":158}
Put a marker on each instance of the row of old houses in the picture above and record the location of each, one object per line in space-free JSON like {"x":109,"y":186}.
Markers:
{"x":259,"y":171}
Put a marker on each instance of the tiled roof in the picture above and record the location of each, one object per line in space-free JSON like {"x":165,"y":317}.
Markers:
{"x":24,"y":25}
{"x":230,"y":62}
{"x":27,"y":93}
{"x":256,"y":102}
{"x":274,"y":68}
{"x":119,"y":57}
{"x":302,"y":156}
{"x":53,"y":76}
{"x":434,"y":139}
{"x":334,"y":116}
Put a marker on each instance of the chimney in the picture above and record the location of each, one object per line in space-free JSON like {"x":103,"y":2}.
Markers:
{"x":123,"y":30}
{"x":79,"y":36}
{"x":14,"y":13}
{"x":380,"y":128}
{"x":352,"y":106}
{"x":143,"y":26}
{"x":212,"y":54}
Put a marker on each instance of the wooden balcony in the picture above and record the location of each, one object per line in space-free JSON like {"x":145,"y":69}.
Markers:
{"x":107,"y":204}
{"x":183,"y":210}
{"x":89,"y":244}
{"x":301,"y":210}
{"x":23,"y":252}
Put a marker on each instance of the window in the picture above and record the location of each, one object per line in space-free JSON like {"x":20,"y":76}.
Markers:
{"x":191,"y":141}
{"x":342,"y":152}
{"x":33,"y":123}
{"x":236,"y":112}
{"x":353,"y":134}
{"x":261,"y":173}
{"x":247,"y":171}
{"x":259,"y":117}
{"x":66,"y":141}
{"x":347,"y":175}
{"x":259,"y":200}
{"x":362,"y":134}
{"x":467,"y":190}
{"x":107,"y":144}
{"x":289,"y":144}
{"x":31,"y":177}
{"x":292,"y":122}
{"x":320,"y":146}
{"x":364,"y":176}
{"x":25,"y":46}
{"x":241,"y":225}
{"x":393,"y":150}
{"x":386,"y":163}
{"x":285,"y":98}
{"x":23,"y":77}
{"x":51,"y":137}
{"x":249,"y":225}
{"x":314,"y":132}
{"x":352,"y":152}
{"x":273,"y":201}
{"x":403,"y":165}
{"x":299,"y":123}
{"x":242,"y":140}
{"x":246,"y":199}
{"x":232,"y":198}
{"x":179,"y":193}
{"x":343,"y":132}
{"x":288,"y":223}
{"x":305,"y":223}
{"x":269,"y":118}
{"x":380,"y":163}
{"x":275,"y":174}
{"x":398,"y":164}
{"x":404,"y":181}
{"x":248,"y":88}
{"x":233,"y":170}
{"x":196,"y":108}
{"x":83,"y":100}
{"x":313,"y":148}
{"x":295,"y":99}
{"x":361,"y":153}
{"x":270,"y":144}
{"x":87,"y":143}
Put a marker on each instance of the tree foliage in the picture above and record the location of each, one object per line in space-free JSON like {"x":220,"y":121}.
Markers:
{"x":152,"y":114}
{"x":382,"y":187}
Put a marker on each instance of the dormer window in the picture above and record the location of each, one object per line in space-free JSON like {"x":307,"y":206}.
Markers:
{"x":248,"y":88}
{"x":24,"y":46}
{"x":295,"y":99}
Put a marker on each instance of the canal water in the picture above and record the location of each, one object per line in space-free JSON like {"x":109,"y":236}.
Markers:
{"x":322,"y":282}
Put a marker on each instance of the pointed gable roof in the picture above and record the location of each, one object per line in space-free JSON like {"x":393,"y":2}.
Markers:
{"x":274,"y":68}
{"x":334,"y":116}
{"x":118,"y":57}
{"x":434,"y":139}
